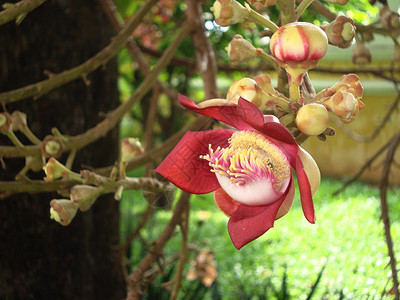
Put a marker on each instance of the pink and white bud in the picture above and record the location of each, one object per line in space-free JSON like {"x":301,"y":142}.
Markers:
{"x":62,"y":211}
{"x":246,"y":88}
{"x":228,"y":12}
{"x":361,"y":54}
{"x":340,"y":32}
{"x":298,"y":47}
{"x":312,"y":119}
{"x":262,"y":4}
{"x":240,"y":50}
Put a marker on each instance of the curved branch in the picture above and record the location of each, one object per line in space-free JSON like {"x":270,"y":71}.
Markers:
{"x":394,"y":144}
{"x":15,"y":10}
{"x":88,"y":66}
{"x":113,"y":118}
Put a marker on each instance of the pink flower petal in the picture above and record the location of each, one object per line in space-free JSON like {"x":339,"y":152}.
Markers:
{"x":227,"y":114}
{"x":184,"y":167}
{"x":225,"y":202}
{"x":250,"y":222}
{"x":305,"y":192}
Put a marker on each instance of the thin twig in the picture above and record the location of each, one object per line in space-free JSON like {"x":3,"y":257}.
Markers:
{"x":366,"y":165}
{"x":88,"y":66}
{"x":134,"y":280}
{"x":184,"y":225}
{"x":114,"y":117}
{"x":367,"y":138}
{"x":394,"y":143}
{"x":134,"y":234}
{"x":18,"y":9}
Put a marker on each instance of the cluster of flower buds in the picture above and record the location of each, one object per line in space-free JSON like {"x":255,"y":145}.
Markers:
{"x":82,"y":197}
{"x":258,"y":91}
{"x":240,"y":50}
{"x":344,"y":98}
{"x":228,"y":12}
{"x":361,"y":54}
{"x":262,"y":4}
{"x":340,"y":32}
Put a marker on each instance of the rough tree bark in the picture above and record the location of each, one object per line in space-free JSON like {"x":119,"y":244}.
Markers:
{"x":40,"y":259}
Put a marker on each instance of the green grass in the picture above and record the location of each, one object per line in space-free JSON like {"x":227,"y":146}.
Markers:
{"x":348,"y":237}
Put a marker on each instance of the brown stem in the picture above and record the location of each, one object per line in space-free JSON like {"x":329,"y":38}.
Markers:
{"x":134,"y":234}
{"x":134,"y":50}
{"x":206,"y":61}
{"x":88,"y":66}
{"x":134,"y":280}
{"x":18,"y":9}
{"x":394,"y":143}
{"x":182,"y":256}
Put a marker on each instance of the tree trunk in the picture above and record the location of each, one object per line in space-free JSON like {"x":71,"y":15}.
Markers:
{"x":40,"y":259}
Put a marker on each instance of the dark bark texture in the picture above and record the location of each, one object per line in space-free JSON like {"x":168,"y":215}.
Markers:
{"x":40,"y":259}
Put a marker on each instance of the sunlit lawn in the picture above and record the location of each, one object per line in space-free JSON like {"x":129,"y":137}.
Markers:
{"x":348,"y":237}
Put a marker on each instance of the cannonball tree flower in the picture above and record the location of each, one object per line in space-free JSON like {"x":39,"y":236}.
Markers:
{"x":298,"y":47}
{"x":248,"y":169}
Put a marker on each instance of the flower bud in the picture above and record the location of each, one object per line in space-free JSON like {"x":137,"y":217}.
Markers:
{"x":54,"y":170}
{"x":312,"y":119}
{"x":228,"y":12}
{"x":340,"y":32}
{"x":51,"y":146}
{"x":361,"y":54}
{"x":5,"y":122}
{"x":130,"y":147}
{"x":344,"y":104}
{"x":240,"y":50}
{"x":344,"y":98}
{"x":62,"y":211}
{"x":18,"y":120}
{"x":246,"y":88}
{"x":389,"y":19}
{"x":298,"y":47}
{"x":261,"y":4}
{"x":84,"y":196}
{"x":35,"y":163}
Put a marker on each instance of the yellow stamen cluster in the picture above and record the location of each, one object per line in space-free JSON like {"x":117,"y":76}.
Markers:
{"x":250,"y":156}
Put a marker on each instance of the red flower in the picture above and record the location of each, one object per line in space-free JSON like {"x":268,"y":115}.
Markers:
{"x":250,"y":168}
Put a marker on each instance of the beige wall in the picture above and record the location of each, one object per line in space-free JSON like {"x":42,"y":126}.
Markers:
{"x":341,"y":156}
